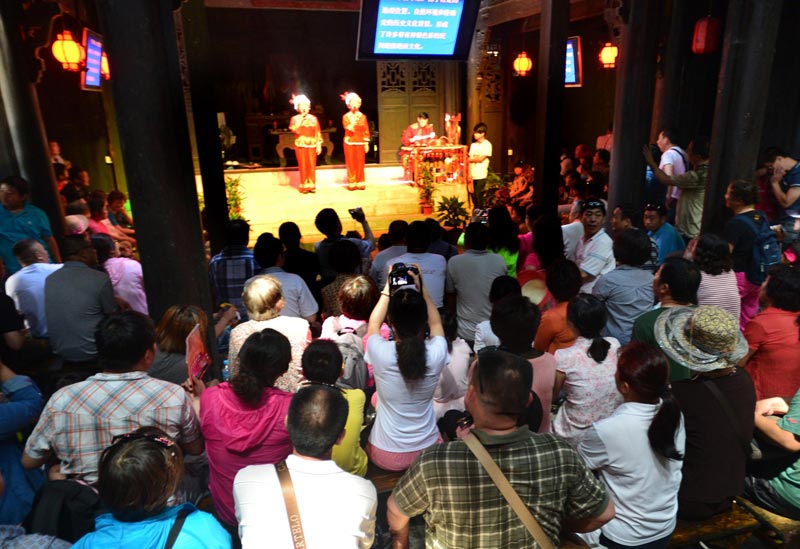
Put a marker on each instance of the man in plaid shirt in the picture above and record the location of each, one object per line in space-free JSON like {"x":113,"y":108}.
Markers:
{"x":462,"y":505}
{"x":80,"y":420}
{"x":233,"y":266}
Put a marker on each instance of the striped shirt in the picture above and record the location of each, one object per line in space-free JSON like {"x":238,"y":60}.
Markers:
{"x":721,"y":290}
{"x":464,"y":508}
{"x":80,"y":420}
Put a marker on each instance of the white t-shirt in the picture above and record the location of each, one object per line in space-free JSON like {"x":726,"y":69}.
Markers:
{"x":261,"y":512}
{"x":405,"y":421}
{"x":571,"y":233}
{"x":480,"y":170}
{"x":26,"y":288}
{"x":433,"y":268}
{"x":595,"y":257}
{"x":644,"y":485}
{"x":675,"y":156}
{"x":484,"y":336}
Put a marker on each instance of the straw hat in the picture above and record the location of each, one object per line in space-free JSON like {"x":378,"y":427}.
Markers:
{"x":533,"y":286}
{"x":702,"y":339}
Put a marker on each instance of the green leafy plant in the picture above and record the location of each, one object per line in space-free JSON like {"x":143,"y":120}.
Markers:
{"x":235,"y":197}
{"x":451,"y":212}
{"x":425,"y":185}
{"x":494,"y":183}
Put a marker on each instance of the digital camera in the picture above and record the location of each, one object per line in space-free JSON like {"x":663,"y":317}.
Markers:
{"x":398,"y":275}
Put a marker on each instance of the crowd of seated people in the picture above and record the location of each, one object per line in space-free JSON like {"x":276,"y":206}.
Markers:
{"x":634,"y":393}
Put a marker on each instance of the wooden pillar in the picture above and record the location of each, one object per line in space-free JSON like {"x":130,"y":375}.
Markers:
{"x":204,"y":109}
{"x":668,"y":85}
{"x":26,"y":151}
{"x":751,"y":31}
{"x":145,"y":79}
{"x":633,"y":103}
{"x":550,"y":101}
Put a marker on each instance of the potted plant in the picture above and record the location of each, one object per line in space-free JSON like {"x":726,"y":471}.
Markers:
{"x":494,"y":183}
{"x":426,"y":188}
{"x":451,"y":212}
{"x":235,"y":197}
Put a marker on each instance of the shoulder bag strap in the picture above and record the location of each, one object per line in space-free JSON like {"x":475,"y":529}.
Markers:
{"x":508,"y":492}
{"x":744,"y":440}
{"x":295,"y":525}
{"x":176,"y":526}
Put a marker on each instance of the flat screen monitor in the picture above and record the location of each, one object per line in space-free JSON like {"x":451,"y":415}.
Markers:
{"x":573,"y":69}
{"x":93,"y":46}
{"x":416,"y":29}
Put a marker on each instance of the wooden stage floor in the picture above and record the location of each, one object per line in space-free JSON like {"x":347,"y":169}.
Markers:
{"x":272,"y":198}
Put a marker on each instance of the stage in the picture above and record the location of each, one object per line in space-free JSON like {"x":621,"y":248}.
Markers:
{"x":271,"y":197}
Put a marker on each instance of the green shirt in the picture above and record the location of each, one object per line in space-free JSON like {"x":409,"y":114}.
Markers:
{"x":463,"y":507}
{"x":644,"y":329}
{"x":787,"y":483}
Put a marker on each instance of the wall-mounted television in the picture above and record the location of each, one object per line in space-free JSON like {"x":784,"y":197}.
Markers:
{"x":416,"y":29}
{"x":573,"y":68}
{"x":93,"y":46}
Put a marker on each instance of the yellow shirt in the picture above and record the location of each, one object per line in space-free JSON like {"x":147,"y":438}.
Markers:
{"x":348,"y":454}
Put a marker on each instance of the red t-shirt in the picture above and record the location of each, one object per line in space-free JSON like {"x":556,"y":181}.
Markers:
{"x":775,"y":367}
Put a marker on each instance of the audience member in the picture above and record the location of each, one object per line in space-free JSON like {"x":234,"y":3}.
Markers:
{"x":453,"y":380}
{"x":503,"y":238}
{"x":243,"y":421}
{"x":547,"y":244}
{"x":357,"y":297}
{"x":638,"y":452}
{"x":572,"y":232}
{"x":336,"y":509}
{"x":20,"y":220}
{"x":298,"y":301}
{"x":532,"y":213}
{"x":547,"y":474}
{"x":26,"y":286}
{"x":125,"y":274}
{"x":585,"y":371}
{"x":667,"y":238}
{"x":117,"y":215}
{"x":563,"y":279}
{"x":98,"y":218}
{"x":397,"y":237}
{"x":469,"y":278}
{"x":626,"y":216}
{"x":717,"y":404}
{"x":439,"y":246}
{"x":76,"y":299}
{"x":297,"y":260}
{"x":78,"y":186}
{"x":772,"y":336}
{"x":346,"y":263}
{"x":12,"y":330}
{"x":55,"y":153}
{"x":232,"y":267}
{"x":601,"y":162}
{"x":594,"y":251}
{"x":627,"y":291}
{"x":432,"y":267}
{"x":675,"y":285}
{"x":406,"y":373}
{"x":502,"y":286}
{"x":673,"y":162}
{"x":81,"y":419}
{"x":140,"y":475}
{"x":329,"y":224}
{"x":323,"y":364}
{"x":718,"y":284}
{"x":263,"y":299}
{"x":785,"y":182}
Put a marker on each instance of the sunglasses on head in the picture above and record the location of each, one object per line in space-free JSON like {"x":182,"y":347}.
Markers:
{"x":166,"y":442}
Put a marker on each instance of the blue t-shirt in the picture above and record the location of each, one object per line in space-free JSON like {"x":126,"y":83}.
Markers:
{"x":30,"y":222}
{"x":668,"y":239}
{"x":791,"y":179}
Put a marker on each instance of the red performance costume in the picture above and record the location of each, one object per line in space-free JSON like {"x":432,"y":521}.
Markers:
{"x":356,"y":141}
{"x":418,"y":133}
{"x":307,"y":142}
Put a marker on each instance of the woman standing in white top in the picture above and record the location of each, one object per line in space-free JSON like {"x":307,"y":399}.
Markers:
{"x":406,"y":373}
{"x":638,"y":452}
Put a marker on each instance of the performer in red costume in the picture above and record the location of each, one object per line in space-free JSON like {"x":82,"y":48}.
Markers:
{"x":356,"y":141}
{"x":307,"y":142}
{"x":419,"y":133}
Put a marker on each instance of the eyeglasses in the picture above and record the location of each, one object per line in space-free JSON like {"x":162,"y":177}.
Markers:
{"x":164,"y":441}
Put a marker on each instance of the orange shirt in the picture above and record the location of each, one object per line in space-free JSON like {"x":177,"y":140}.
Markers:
{"x":554,"y":333}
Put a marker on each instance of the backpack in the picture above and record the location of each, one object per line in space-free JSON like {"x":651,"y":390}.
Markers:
{"x":351,"y":344}
{"x":766,"y":250}
{"x":65,"y":509}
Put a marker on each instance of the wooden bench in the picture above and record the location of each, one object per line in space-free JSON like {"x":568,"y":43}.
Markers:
{"x":784,"y":529}
{"x":732,"y":528}
{"x":383,"y":480}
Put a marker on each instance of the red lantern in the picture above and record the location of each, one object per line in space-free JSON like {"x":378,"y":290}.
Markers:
{"x":68,"y":52}
{"x":608,"y":55}
{"x":707,"y":33}
{"x":523,"y":64}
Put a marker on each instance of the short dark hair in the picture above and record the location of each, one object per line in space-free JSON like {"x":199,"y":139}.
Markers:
{"x":701,"y":146}
{"x":103,"y":244}
{"x":289,"y":233}
{"x":115,"y":195}
{"x":771,"y":153}
{"x":503,"y":286}
{"x":317,"y":416}
{"x":660,"y":209}
{"x":631,"y":212}
{"x":237,"y":232}
{"x":632,"y":247}
{"x":358,"y":296}
{"x":783,"y":288}
{"x":267,"y":250}
{"x":514,"y":320}
{"x":594,"y":204}
{"x":683,"y":278}
{"x":327,"y":222}
{"x":344,"y":256}
{"x":122,"y":340}
{"x":418,"y":237}
{"x":96,"y":203}
{"x":671,"y":134}
{"x":264,"y":357}
{"x":24,"y":250}
{"x":18,"y":183}
{"x":502,"y":382}
{"x":322,"y":361}
{"x":75,"y":172}
{"x":480,"y":127}
{"x":563,"y":279}
{"x":713,"y":254}
{"x":422,"y":114}
{"x":434,"y":228}
{"x":72,"y":245}
{"x":77,"y":207}
{"x":397,"y":231}
{"x":139,"y":473}
{"x":476,"y":236}
{"x":604,"y":155}
{"x":744,"y":191}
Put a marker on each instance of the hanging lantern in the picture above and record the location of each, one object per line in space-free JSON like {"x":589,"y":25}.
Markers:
{"x":104,"y":71}
{"x":707,"y":33}
{"x":67,"y":51}
{"x":608,"y":55}
{"x":523,"y":64}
